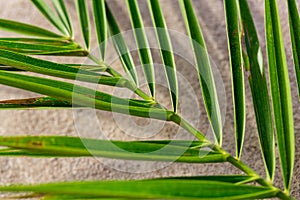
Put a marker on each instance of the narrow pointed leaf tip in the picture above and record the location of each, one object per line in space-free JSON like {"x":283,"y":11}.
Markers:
{"x":120,"y":46}
{"x":237,"y":73}
{"x":100,"y":25}
{"x":26,"y":29}
{"x":50,"y":15}
{"x":165,"y":50}
{"x":206,"y":77}
{"x":142,"y":44}
{"x":84,"y":21}
{"x":294,"y":20}
{"x":281,"y":92}
{"x":63,"y":14}
{"x":259,"y":90}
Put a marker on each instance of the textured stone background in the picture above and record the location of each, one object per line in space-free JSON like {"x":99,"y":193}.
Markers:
{"x":211,"y":16}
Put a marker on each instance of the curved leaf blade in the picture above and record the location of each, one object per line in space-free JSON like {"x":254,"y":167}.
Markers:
{"x":259,"y":89}
{"x":120,"y":46}
{"x":165,"y":49}
{"x":237,"y":72}
{"x":50,"y":15}
{"x":151,"y":189}
{"x":206,"y":78}
{"x":142,"y":44}
{"x":84,"y":21}
{"x":281,"y":92}
{"x":26,"y":29}
{"x":100,"y":25}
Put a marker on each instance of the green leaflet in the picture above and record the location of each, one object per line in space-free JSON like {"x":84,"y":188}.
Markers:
{"x":142,"y":44}
{"x":281,"y":92}
{"x":121,"y":46}
{"x":60,"y":146}
{"x":150,"y":189}
{"x":62,"y":12}
{"x":206,"y":78}
{"x":38,"y":102}
{"x":100,"y":25}
{"x":294,"y":20}
{"x":61,"y":42}
{"x":49,"y":14}
{"x":39,"y":48}
{"x":82,"y":96}
{"x":26,"y":29}
{"x":165,"y":49}
{"x":221,"y":178}
{"x":237,"y":72}
{"x":84,"y":21}
{"x":54,"y":103}
{"x":54,"y":69}
{"x":259,"y":89}
{"x":296,"y":58}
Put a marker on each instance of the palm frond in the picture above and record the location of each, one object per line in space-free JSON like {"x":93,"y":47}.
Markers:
{"x":60,"y":146}
{"x":50,"y":15}
{"x":63,"y":14}
{"x":294,"y":20}
{"x":27,"y":29}
{"x":281,"y":92}
{"x":100,"y":25}
{"x":259,"y":89}
{"x":237,"y":71}
{"x":204,"y":68}
{"x":142,"y":44}
{"x":84,"y":19}
{"x":165,"y":49}
{"x":120,"y":46}
{"x":164,"y":189}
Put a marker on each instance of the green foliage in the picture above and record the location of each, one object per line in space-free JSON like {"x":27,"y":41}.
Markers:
{"x":237,"y":71}
{"x":259,"y":89}
{"x":206,"y":78}
{"x":17,"y":56}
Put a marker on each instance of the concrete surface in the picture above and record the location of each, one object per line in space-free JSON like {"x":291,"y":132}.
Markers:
{"x":35,"y":122}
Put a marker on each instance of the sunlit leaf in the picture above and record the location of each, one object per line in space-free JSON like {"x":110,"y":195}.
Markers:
{"x":142,"y":44}
{"x":60,"y":146}
{"x":27,"y":63}
{"x":165,"y":49}
{"x":120,"y":46}
{"x":206,"y":78}
{"x":26,"y":29}
{"x":84,"y":21}
{"x":294,"y":20}
{"x":83,"y":96}
{"x":63,"y":14}
{"x":100,"y":25}
{"x":281,"y":92}
{"x":237,"y":72}
{"x":259,"y":89}
{"x":151,"y":189}
{"x":50,"y":15}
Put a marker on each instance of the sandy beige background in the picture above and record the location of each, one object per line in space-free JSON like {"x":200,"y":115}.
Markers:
{"x":211,"y":16}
